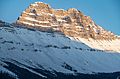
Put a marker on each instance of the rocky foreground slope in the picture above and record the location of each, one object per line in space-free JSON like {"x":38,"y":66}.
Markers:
{"x":72,"y":23}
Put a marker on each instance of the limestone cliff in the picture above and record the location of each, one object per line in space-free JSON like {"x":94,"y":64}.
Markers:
{"x":71,"y":22}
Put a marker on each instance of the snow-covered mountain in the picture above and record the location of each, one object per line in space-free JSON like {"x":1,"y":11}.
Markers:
{"x":65,"y":45}
{"x":30,"y":49}
{"x":71,"y":22}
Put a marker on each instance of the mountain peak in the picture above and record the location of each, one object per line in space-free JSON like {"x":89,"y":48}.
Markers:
{"x":71,"y":22}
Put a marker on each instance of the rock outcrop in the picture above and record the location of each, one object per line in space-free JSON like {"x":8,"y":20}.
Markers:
{"x":71,"y":22}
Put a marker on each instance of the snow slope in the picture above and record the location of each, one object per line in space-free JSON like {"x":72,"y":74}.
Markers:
{"x":108,"y":45}
{"x":53,"y":52}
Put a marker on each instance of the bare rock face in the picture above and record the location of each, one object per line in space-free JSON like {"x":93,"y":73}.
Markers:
{"x":71,"y":22}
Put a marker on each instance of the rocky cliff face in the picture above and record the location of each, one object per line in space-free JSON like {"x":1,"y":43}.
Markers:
{"x":71,"y":22}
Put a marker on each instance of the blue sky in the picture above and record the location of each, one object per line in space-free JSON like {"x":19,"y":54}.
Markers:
{"x":105,"y":13}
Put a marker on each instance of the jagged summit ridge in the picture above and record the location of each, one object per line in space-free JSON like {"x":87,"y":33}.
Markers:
{"x":71,"y":22}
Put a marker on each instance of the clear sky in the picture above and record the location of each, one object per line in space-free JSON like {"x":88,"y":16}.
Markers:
{"x":105,"y":13}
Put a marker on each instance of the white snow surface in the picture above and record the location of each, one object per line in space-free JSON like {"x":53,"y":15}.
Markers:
{"x":20,"y":44}
{"x":111,"y":45}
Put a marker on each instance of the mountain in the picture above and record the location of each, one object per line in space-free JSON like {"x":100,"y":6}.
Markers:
{"x":56,"y":44}
{"x":72,"y":23}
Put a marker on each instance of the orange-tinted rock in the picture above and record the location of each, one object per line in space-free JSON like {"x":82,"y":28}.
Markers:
{"x":71,"y":22}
